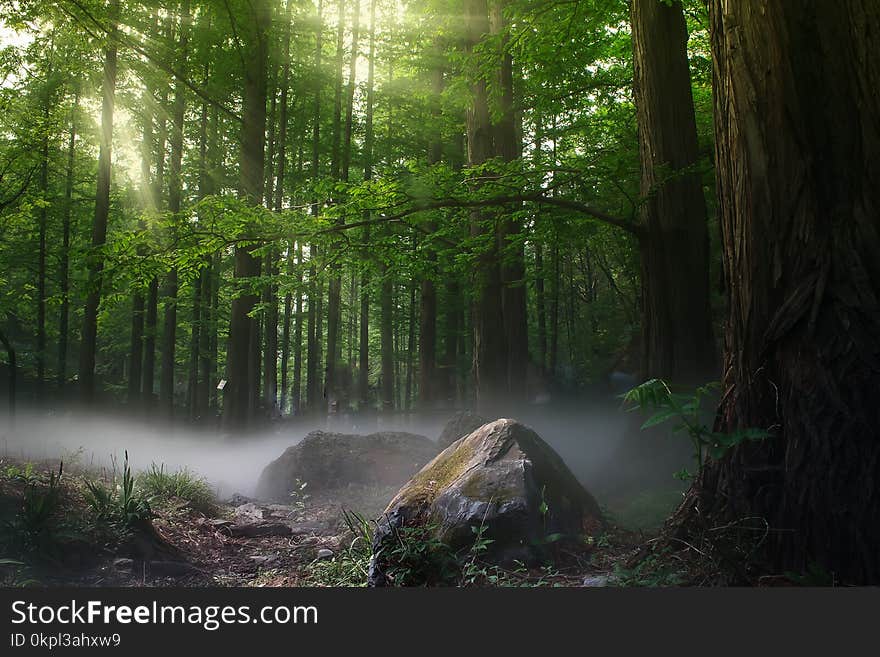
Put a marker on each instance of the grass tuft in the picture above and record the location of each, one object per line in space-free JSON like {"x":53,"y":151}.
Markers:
{"x":162,"y":485}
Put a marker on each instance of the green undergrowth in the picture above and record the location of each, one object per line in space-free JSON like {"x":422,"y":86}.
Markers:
{"x":416,"y":557}
{"x":55,"y":518}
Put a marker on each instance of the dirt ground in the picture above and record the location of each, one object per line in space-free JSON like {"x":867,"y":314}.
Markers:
{"x":246,"y":542}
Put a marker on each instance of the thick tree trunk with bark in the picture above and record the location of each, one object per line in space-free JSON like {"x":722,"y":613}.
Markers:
{"x":239,"y":393}
{"x":797,"y":121}
{"x":490,"y":348}
{"x":677,"y":337}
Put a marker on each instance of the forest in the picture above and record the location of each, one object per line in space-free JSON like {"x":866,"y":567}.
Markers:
{"x":641,"y":229}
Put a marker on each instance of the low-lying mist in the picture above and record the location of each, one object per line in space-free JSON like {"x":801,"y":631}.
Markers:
{"x":599,"y":442}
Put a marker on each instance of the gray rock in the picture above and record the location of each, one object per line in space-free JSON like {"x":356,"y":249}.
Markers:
{"x":326,"y":460}
{"x":324,"y":553}
{"x":599,"y":581}
{"x":458,"y":426}
{"x":502,"y":477}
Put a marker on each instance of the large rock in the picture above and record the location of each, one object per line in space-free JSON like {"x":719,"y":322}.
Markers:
{"x":502,"y":477}
{"x":325,"y":460}
{"x":460,"y":425}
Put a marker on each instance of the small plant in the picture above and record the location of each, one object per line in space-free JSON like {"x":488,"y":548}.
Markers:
{"x":816,"y":575}
{"x":13,"y":573}
{"x":417,"y":557}
{"x":685,"y":409}
{"x":158,"y":484}
{"x":26,"y":475}
{"x":298,"y":497}
{"x":349,"y":567}
{"x":654,"y":570}
{"x":119,"y":504}
{"x":473,"y":571}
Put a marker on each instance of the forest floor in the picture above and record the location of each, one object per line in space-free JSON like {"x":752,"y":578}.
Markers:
{"x":53,"y":538}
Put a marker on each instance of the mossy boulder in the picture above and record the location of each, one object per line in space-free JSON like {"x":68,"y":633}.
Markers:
{"x":502,"y":478}
{"x":326,"y":460}
{"x":458,"y":426}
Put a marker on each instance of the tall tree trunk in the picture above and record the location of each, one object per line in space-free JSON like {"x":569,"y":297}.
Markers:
{"x":364,"y":332}
{"x":540,"y":296}
{"x":152,"y":309}
{"x":296,"y":391}
{"x":88,"y":347}
{"x":270,"y":329}
{"x":428,"y":289}
{"x":239,"y":393}
{"x":136,"y":351}
{"x":42,"y":221}
{"x":213,"y":347}
{"x":313,"y":334}
{"x":386,"y":330}
{"x":451,"y":337}
{"x":508,"y":146}
{"x":541,"y":306}
{"x":410,"y":347}
{"x":553,"y":360}
{"x":197,"y":400}
{"x":677,"y":337}
{"x":334,"y":288}
{"x":799,"y":208}
{"x":490,"y":349}
{"x":285,"y":335}
{"x":64,"y":267}
{"x":386,"y":293}
{"x":175,"y":195}
{"x":279,"y":195}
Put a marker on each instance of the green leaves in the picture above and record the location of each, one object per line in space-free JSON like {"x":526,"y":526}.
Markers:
{"x":686,"y":408}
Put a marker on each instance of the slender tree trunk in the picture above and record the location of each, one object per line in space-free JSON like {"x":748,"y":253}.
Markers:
{"x":428,"y":292}
{"x":270,"y":358}
{"x":799,"y":208}
{"x":451,"y":338}
{"x":677,"y":337}
{"x":541,"y":306}
{"x":150,"y":323}
{"x":312,"y":357}
{"x":42,"y":221}
{"x":279,"y":197}
{"x":334,"y":288}
{"x":386,"y":329}
{"x":364,"y":333}
{"x":554,"y":313}
{"x":64,"y":273}
{"x":175,"y":195}
{"x":88,"y":347}
{"x":152,"y":310}
{"x":410,"y":347}
{"x":214,"y":327}
{"x":296,"y":392}
{"x":285,"y":335}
